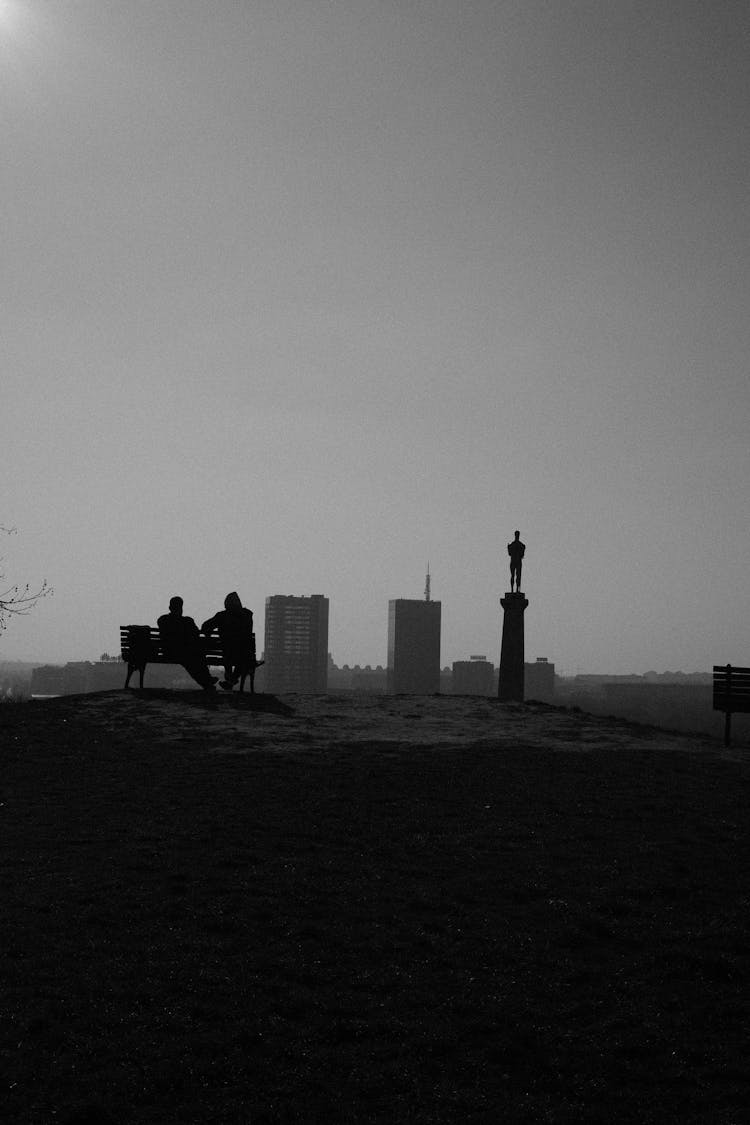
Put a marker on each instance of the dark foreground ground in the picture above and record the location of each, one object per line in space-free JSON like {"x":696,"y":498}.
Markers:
{"x":393,"y":910}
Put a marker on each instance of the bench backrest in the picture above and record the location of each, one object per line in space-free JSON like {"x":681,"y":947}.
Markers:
{"x":142,"y":643}
{"x":731,"y":688}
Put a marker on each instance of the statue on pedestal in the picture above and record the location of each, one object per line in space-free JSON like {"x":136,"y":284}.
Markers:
{"x":516,"y":550}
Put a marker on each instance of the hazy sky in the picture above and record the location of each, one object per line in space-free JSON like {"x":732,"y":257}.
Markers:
{"x":299,"y":295}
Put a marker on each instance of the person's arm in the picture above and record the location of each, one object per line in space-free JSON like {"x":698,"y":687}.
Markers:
{"x":166,"y":633}
{"x":208,"y":627}
{"x":192,"y":632}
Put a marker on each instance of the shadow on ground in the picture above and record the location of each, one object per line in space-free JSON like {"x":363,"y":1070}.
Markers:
{"x":234,"y":700}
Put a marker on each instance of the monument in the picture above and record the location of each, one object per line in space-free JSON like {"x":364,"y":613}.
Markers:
{"x":510,"y":680}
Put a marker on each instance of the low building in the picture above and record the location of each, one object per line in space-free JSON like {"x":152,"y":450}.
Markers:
{"x":539,"y":680}
{"x":373,"y":681}
{"x":475,"y":676}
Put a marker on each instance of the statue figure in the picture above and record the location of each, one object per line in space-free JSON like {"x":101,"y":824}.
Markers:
{"x":516,"y":550}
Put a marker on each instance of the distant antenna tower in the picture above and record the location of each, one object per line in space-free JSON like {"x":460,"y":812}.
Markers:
{"x":427,"y":585}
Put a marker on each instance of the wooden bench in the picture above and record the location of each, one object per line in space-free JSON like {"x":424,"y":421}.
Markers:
{"x":141,"y":645}
{"x":731,"y":694}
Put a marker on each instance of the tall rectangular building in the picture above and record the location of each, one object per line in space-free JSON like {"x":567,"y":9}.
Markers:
{"x":413,"y":646}
{"x":296,"y":644}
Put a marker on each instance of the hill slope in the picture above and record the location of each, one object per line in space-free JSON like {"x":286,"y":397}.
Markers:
{"x":387,"y":909}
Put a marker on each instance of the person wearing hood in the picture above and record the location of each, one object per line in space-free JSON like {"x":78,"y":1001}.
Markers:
{"x":234,"y":624}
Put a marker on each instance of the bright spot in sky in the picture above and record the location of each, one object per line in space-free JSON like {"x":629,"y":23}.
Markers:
{"x":24,"y":36}
{"x":11,"y":16}
{"x":8,"y":12}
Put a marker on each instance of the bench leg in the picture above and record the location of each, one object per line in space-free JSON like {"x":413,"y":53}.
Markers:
{"x":140,"y":669}
{"x":253,"y":669}
{"x":248,"y":673}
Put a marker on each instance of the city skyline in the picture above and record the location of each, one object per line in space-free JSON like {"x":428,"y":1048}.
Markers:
{"x":339,"y":661}
{"x":298,"y":296}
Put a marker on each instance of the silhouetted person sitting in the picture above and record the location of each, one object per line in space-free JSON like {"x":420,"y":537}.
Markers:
{"x":235,"y":626}
{"x":180,"y":640}
{"x":516,"y":550}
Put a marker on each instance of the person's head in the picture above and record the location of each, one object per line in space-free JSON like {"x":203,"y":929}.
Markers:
{"x":517,"y":534}
{"x":232,"y":602}
{"x":175,"y":606}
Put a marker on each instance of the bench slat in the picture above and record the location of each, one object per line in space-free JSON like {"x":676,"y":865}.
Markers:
{"x":211,"y":647}
{"x":731,"y":694}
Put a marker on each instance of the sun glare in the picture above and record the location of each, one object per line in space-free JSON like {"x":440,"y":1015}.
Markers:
{"x":12,"y":13}
{"x":8,"y":14}
{"x":24,"y":37}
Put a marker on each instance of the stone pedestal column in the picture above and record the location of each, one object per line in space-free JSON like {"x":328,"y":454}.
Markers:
{"x":510,"y":683}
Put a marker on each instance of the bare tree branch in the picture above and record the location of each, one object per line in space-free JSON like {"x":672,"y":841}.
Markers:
{"x":17,"y":600}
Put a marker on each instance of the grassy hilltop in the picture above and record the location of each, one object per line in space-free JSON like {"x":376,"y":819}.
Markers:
{"x":374,"y":910}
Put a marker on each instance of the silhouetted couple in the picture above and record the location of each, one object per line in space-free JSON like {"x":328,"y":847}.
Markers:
{"x":181,"y":641}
